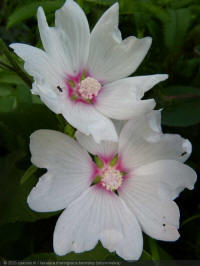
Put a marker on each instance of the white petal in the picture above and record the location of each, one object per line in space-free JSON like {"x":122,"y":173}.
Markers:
{"x":104,"y":149}
{"x":141,"y":141}
{"x":98,"y":215}
{"x":170,"y":176}
{"x":110,"y":58}
{"x":39,"y":65}
{"x":121,"y":99}
{"x":69,"y":170}
{"x":158,"y":217}
{"x":68,"y":42}
{"x":89,"y":121}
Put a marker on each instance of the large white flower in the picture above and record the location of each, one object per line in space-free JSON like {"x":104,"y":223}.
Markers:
{"x":82,"y":75}
{"x":136,"y":180}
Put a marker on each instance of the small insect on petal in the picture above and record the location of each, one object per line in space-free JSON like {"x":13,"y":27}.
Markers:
{"x":59,"y":88}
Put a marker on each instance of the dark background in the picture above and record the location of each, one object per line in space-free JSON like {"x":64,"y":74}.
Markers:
{"x":175,"y":28}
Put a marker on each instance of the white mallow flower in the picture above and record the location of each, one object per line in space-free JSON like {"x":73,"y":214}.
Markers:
{"x":83,"y":75}
{"x":131,"y":188}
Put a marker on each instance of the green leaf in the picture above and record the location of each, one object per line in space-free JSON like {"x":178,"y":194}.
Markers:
{"x":154,"y":249}
{"x":145,"y":255}
{"x":182,"y":115}
{"x":10,"y":140}
{"x":13,"y":197}
{"x":10,"y":77}
{"x":183,"y":106}
{"x":29,"y":10}
{"x":27,"y":118}
{"x":102,"y":2}
{"x":146,"y":7}
{"x":7,"y":103}
{"x":98,"y":253}
{"x":24,"y":94}
{"x":11,"y":57}
{"x":6,"y":90}
{"x":190,"y":219}
{"x":28,"y":174}
{"x":176,"y":27}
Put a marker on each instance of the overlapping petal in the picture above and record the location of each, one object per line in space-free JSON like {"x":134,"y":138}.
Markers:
{"x":88,"y":120}
{"x":141,"y":141}
{"x":69,"y":170}
{"x":105,"y":149}
{"x":103,"y":217}
{"x":110,"y":57}
{"x":121,"y":99}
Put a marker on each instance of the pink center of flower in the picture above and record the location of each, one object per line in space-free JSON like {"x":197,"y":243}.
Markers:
{"x":108,"y":173}
{"x":89,"y":88}
{"x":111,"y":178}
{"x":83,"y":88}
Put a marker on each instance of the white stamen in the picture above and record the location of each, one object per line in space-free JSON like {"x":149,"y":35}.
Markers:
{"x":111,"y":178}
{"x":89,"y":88}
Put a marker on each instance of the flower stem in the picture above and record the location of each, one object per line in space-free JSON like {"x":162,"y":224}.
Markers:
{"x":15,"y":66}
{"x":154,"y":249}
{"x":29,"y":172}
{"x":6,"y":66}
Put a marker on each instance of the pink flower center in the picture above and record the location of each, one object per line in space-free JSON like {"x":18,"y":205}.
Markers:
{"x":108,"y":173}
{"x":111,"y":178}
{"x":89,"y":88}
{"x":83,"y":88}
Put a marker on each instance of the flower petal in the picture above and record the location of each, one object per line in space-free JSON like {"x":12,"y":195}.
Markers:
{"x":110,"y":58}
{"x":121,"y":99}
{"x":158,"y":217}
{"x":141,"y":141}
{"x":69,"y":170}
{"x":68,"y":42}
{"x":104,"y":149}
{"x":39,"y":65}
{"x":86,"y":119}
{"x":170,"y":176}
{"x":98,"y":215}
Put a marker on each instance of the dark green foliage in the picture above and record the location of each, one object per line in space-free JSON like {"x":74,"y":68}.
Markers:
{"x":175,"y":28}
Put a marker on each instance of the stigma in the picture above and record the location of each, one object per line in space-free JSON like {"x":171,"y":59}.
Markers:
{"x":89,"y":88}
{"x":111,"y":178}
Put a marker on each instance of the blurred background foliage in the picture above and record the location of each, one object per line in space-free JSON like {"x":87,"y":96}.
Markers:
{"x":175,"y":28}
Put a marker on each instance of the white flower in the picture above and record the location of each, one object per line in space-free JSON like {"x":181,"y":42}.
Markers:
{"x":137,"y":181}
{"x":82,"y":75}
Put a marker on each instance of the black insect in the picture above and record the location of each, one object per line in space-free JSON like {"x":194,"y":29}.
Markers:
{"x":59,"y":88}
